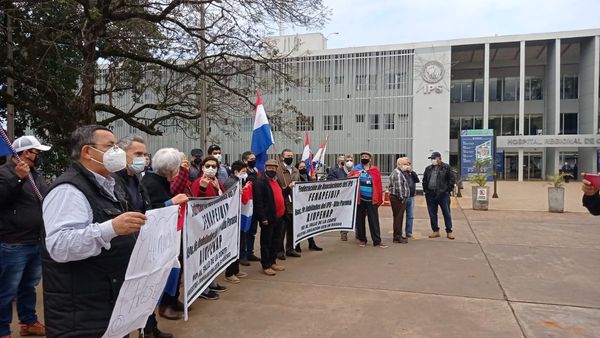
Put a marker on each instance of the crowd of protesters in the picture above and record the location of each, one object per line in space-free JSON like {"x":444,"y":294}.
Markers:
{"x":78,"y":233}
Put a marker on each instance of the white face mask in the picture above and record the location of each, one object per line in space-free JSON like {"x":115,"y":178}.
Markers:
{"x":434,"y":162}
{"x":138,"y":164}
{"x":242,"y":176}
{"x":349,"y":164}
{"x":210,"y":172}
{"x":404,"y":167}
{"x":218,"y":157}
{"x":114,"y":159}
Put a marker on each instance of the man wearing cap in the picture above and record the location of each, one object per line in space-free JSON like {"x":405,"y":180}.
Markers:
{"x":438,"y":182}
{"x":371,"y":197}
{"x":21,"y":224}
{"x":269,"y":209}
{"x":195,"y":164}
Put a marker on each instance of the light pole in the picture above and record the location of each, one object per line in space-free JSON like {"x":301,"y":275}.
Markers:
{"x":327,"y":37}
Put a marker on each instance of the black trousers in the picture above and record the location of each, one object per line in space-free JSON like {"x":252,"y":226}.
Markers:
{"x":234,"y":268}
{"x":370,"y":211}
{"x":270,"y":242}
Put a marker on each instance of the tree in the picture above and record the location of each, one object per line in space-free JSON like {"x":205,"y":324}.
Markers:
{"x":75,"y":59}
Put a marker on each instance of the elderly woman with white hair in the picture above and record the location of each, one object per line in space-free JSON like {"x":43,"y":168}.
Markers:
{"x":165,"y":167}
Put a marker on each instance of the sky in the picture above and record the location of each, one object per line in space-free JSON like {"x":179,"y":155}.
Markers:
{"x":380,"y":22}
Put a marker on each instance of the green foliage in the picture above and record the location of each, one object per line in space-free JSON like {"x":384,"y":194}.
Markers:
{"x":482,"y":173}
{"x":557,"y":180}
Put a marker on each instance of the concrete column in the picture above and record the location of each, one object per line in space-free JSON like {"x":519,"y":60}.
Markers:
{"x":552,"y":100}
{"x":486,"y":86}
{"x":589,"y":78}
{"x":521,"y":104}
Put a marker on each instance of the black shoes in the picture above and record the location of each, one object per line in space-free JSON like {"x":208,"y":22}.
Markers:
{"x":218,"y":288}
{"x":154,"y":333}
{"x":244,"y":261}
{"x":209,"y":295}
{"x":298,"y":248}
{"x":253,"y":258}
{"x":292,"y":253}
{"x":281,"y":256}
{"x":315,"y":248}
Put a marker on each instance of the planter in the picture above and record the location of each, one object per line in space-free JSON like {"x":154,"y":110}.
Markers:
{"x":556,"y":199}
{"x":480,"y":197}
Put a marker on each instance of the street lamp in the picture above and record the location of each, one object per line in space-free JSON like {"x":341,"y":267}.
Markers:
{"x":327,"y":38}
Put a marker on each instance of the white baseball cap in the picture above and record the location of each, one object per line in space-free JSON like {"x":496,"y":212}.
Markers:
{"x":28,"y":142}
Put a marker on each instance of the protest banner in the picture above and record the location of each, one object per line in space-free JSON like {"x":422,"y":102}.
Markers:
{"x":154,"y":254}
{"x":324,"y":206}
{"x":211,"y":240}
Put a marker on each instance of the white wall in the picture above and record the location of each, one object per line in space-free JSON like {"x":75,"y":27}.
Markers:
{"x":431,"y":111}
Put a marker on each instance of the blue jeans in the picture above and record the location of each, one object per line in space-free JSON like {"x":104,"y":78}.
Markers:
{"x":20,"y":273}
{"x":410,"y":215}
{"x":248,"y":250}
{"x":443,"y":201}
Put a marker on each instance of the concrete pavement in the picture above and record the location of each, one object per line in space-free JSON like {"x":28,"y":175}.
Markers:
{"x":509,"y":273}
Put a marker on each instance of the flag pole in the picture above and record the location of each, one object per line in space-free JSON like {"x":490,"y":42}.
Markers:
{"x":16,"y":156}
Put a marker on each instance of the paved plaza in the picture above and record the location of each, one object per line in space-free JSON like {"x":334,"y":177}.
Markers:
{"x":513,"y":271}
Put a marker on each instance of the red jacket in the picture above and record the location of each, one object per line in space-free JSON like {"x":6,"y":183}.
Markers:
{"x":210,"y":191}
{"x":377,"y":186}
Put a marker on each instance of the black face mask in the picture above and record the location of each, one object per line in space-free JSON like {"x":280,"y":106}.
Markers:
{"x":303,"y":171}
{"x":288,"y":160}
{"x":365,"y":161}
{"x":252,"y":164}
{"x":197,"y":161}
{"x":37,"y":162}
{"x":270,"y":173}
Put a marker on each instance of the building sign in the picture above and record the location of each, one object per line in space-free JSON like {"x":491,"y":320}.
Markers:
{"x":549,"y":141}
{"x":476,"y":145}
{"x":432,"y":74}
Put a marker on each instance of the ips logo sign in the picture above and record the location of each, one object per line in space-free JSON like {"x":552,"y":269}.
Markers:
{"x":432,"y":73}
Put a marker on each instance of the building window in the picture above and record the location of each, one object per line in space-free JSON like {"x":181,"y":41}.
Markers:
{"x":466,"y":123}
{"x":360,"y":118}
{"x":533,"y":124}
{"x":327,"y":83}
{"x":332,"y":122}
{"x":247,"y":124}
{"x":305,"y":123}
{"x":366,"y":82}
{"x":461,"y":91}
{"x":569,"y":123}
{"x":478,"y":90}
{"x":339,"y":80}
{"x":511,"y":88}
{"x":388,"y":121}
{"x":374,"y":121}
{"x":373,"y":82}
{"x":569,"y":88}
{"x":509,"y":125}
{"x":396,"y":80}
{"x":454,"y":127}
{"x":534,"y":87}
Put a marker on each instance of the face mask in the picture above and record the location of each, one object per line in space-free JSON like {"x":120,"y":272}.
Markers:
{"x":38,"y":161}
{"x":303,"y":171}
{"x":404,"y":168}
{"x":114,"y":159}
{"x":242,"y":176}
{"x":218,"y":157}
{"x":365,"y":161}
{"x":434,"y":162}
{"x":138,"y":164}
{"x":210,"y":172}
{"x":197,"y":161}
{"x":349,"y":164}
{"x":252,"y":164}
{"x":270,"y":173}
{"x":288,"y":160}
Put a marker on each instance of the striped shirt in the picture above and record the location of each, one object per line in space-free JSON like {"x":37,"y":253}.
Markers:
{"x":366,"y":186}
{"x":398,"y":185}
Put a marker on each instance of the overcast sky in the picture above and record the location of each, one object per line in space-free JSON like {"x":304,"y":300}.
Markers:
{"x":377,"y":22}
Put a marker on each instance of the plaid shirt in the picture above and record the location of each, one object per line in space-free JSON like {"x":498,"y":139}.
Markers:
{"x":398,"y":185}
{"x":181,"y":183}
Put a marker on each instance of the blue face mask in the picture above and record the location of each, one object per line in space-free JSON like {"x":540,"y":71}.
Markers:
{"x":138,"y":164}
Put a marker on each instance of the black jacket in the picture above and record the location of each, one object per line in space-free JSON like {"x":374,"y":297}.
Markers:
{"x":412,"y":178}
{"x":337,"y":174}
{"x":79,"y":296}
{"x":445,"y":179}
{"x":592,"y":203}
{"x":21,"y":219}
{"x":264,"y":202}
{"x":158,"y":188}
{"x":121,"y":178}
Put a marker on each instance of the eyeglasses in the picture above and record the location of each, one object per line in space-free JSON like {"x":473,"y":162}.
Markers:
{"x":210,"y":166}
{"x":34,"y":151}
